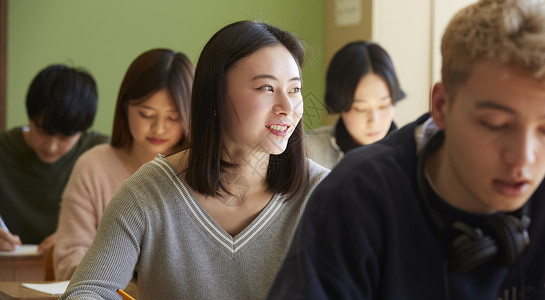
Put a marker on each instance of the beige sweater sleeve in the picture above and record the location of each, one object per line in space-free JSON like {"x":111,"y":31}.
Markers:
{"x":96,"y":177}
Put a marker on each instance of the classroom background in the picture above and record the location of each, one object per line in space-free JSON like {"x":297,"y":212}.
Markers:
{"x":104,"y":36}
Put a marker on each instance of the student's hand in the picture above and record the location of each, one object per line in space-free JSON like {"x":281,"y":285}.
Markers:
{"x":8,"y":241}
{"x":46,"y":244}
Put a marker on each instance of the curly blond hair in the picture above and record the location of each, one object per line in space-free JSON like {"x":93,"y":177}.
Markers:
{"x":510,"y":32}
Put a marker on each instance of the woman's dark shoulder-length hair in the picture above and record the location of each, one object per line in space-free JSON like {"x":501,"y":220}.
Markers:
{"x":288,"y":172}
{"x":150,"y":72}
{"x":346,"y":68}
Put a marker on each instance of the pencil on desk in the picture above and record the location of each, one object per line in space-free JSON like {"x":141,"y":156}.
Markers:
{"x":124,"y":295}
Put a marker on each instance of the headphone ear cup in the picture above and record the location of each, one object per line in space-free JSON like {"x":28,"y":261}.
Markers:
{"x":510,"y":235}
{"x":470,"y":250}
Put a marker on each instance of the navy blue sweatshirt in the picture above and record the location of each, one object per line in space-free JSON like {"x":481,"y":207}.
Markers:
{"x":367,"y":235}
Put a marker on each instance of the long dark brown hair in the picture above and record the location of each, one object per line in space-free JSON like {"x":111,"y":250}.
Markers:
{"x":287,"y":173}
{"x":150,"y":72}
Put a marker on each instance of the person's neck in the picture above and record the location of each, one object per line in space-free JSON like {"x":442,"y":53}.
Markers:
{"x":134,"y":158}
{"x":242,"y":186}
{"x":447,"y":186}
{"x":247,"y":180}
{"x":252,"y":165}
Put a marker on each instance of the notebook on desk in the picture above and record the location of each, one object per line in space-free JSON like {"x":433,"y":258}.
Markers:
{"x":52,"y":288}
{"x":25,"y":249}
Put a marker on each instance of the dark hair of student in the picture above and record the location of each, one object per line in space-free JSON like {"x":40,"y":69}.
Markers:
{"x":349,"y":65}
{"x":62,"y":100}
{"x":288,"y":172}
{"x":150,"y":72}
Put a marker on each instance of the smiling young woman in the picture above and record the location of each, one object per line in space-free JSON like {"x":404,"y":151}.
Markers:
{"x":224,"y":210}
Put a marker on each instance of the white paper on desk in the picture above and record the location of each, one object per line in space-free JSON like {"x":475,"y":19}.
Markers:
{"x":25,"y":249}
{"x":55,"y":288}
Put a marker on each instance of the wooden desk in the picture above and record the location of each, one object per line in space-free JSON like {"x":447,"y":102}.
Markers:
{"x":13,"y":290}
{"x":22,"y":267}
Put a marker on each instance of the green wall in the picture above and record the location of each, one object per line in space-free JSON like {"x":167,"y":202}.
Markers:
{"x":104,"y":36}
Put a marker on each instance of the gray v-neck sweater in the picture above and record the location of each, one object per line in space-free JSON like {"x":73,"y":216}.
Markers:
{"x":155,"y":226}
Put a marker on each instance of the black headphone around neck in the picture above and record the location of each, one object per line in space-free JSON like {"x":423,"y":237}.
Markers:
{"x":503,"y":236}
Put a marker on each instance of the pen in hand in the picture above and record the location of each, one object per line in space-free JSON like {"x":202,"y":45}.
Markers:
{"x":8,"y":241}
{"x":3,"y":225}
{"x":124,"y":295}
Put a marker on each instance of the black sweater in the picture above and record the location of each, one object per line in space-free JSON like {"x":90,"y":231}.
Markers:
{"x":367,"y":235}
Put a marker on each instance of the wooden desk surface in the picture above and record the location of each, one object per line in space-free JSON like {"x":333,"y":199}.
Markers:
{"x":21,"y":259}
{"x":13,"y":290}
{"x":22,"y":267}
